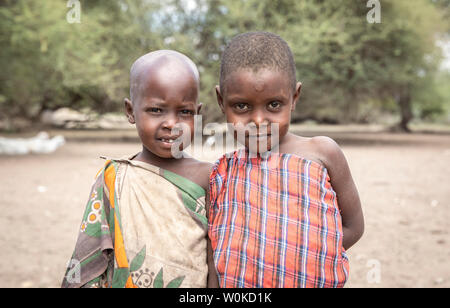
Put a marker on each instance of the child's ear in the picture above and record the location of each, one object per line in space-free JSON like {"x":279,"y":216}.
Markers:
{"x":199,"y":107}
{"x":129,"y":110}
{"x":298,"y":88}
{"x":219,"y":99}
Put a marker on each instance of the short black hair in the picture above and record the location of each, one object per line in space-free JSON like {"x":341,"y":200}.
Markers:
{"x":257,"y":50}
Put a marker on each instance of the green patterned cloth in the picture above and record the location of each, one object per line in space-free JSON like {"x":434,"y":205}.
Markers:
{"x":143,"y":227}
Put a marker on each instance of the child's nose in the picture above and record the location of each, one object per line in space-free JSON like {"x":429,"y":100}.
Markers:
{"x":259,"y":118}
{"x":170,"y":121}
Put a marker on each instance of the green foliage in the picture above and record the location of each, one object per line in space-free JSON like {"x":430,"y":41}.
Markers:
{"x":343,"y":61}
{"x":348,"y":66}
{"x":48,"y":63}
{"x":433,"y":103}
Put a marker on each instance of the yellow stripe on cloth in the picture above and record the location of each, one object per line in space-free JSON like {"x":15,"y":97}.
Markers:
{"x":119,"y":247}
{"x":110,"y":179}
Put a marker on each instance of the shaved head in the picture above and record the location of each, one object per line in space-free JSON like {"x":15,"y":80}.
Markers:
{"x":166,"y":64}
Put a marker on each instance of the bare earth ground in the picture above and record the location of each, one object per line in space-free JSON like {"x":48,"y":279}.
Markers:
{"x":402,"y":180}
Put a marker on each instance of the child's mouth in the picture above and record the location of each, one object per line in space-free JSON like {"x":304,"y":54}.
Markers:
{"x":166,"y":140}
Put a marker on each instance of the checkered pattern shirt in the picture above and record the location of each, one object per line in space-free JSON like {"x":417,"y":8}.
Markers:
{"x":275,"y":222}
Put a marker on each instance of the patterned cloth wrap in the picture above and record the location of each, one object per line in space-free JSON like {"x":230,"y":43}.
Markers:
{"x":143,"y":227}
{"x":274,"y":222}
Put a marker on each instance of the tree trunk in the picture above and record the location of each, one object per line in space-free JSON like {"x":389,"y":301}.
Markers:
{"x":404,"y":103}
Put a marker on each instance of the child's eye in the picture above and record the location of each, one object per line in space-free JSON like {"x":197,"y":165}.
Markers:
{"x":241,"y":107}
{"x":154,"y":110}
{"x":187,"y":112}
{"x":274,"y":105}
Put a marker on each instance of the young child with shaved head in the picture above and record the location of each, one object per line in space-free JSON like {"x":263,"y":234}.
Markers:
{"x":145,"y":222}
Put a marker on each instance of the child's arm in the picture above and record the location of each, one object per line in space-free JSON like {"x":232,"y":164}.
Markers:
{"x":203,"y":172}
{"x":213,"y":281}
{"x":346,"y":192}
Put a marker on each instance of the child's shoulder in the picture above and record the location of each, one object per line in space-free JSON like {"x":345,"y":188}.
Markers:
{"x":321,"y":149}
{"x":197,"y":171}
{"x":195,"y":164}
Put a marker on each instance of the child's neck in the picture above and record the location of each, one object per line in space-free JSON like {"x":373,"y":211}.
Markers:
{"x":148,"y":157}
{"x":283,"y":145}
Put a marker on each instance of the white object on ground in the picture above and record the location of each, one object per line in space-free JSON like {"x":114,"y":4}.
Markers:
{"x":42,"y":189}
{"x":41,"y":143}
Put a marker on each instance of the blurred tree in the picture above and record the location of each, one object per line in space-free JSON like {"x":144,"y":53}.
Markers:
{"x":343,"y":60}
{"x":48,"y":62}
{"x":345,"y":63}
{"x":444,"y":6}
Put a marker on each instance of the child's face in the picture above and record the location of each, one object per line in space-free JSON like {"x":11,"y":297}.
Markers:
{"x":264,"y":97}
{"x":165,"y":101}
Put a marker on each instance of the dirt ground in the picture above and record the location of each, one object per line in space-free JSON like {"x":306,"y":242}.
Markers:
{"x":403,"y":181}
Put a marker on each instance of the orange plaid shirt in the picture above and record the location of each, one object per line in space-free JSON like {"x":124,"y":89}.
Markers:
{"x":275,"y":222}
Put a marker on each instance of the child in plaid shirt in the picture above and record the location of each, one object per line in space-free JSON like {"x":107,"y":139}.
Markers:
{"x":283,"y":210}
